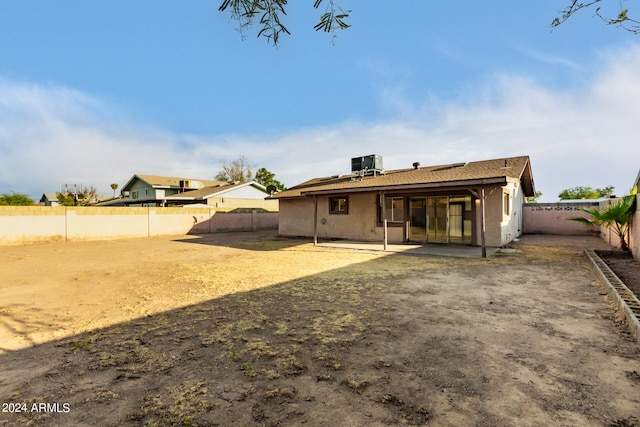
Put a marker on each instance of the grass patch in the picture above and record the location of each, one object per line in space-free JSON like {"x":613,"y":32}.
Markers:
{"x":79,"y":345}
{"x":185,"y":404}
{"x":247,"y":370}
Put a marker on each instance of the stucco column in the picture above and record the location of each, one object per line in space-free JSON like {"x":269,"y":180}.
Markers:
{"x":315,"y":220}
{"x":483,"y":223}
{"x":385,"y":234}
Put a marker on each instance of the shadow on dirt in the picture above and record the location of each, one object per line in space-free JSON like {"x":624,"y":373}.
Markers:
{"x":388,"y":341}
{"x":20,"y":326}
{"x":283,"y":354}
{"x":265,"y":240}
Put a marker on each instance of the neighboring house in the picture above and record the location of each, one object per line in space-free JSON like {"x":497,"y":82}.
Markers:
{"x":49,"y":199}
{"x":152,"y":190}
{"x":227,"y":197}
{"x":444,"y":204}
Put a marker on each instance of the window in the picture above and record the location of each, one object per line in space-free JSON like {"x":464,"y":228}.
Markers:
{"x":134,"y":194}
{"x":395,"y":210}
{"x":338,"y":205}
{"x":506,"y":203}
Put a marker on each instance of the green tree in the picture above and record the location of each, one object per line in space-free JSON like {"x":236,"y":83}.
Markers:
{"x":580,"y":192}
{"x":238,"y":170}
{"x":534,"y":199}
{"x":270,"y":12}
{"x":15,"y":199}
{"x":114,"y":187}
{"x":66,"y":199}
{"x":622,"y":19}
{"x":266,"y":178}
{"x":86,"y":197}
{"x":617,"y":217}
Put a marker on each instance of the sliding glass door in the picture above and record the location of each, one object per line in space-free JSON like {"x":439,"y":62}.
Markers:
{"x":460,"y":219}
{"x":437,"y":219}
{"x":418,"y":219}
{"x":441,"y":219}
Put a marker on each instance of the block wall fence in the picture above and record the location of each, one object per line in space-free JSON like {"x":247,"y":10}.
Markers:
{"x":552,"y":218}
{"x":30,"y":224}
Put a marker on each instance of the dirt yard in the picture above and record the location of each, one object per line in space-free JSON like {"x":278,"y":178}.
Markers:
{"x":246,"y":329}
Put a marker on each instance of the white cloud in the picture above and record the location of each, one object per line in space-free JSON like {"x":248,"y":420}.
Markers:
{"x":549,"y":58}
{"x":587,"y":136}
{"x":50,"y":136}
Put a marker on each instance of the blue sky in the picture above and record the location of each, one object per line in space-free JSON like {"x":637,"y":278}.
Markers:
{"x":93,"y":92}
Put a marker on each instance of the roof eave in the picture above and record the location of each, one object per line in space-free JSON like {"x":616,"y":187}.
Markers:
{"x":469,"y":183}
{"x":173,"y":199}
{"x":526,"y":180}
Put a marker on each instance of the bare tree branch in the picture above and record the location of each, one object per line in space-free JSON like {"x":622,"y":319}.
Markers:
{"x":622,"y":20}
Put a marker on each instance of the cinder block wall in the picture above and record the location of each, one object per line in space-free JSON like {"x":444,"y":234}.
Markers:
{"x":553,"y":218}
{"x":30,"y":224}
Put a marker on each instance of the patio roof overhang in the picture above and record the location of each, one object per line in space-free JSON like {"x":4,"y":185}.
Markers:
{"x":430,"y":187}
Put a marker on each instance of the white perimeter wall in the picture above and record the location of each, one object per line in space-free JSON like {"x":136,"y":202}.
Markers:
{"x":553,"y":218}
{"x":28,"y":224}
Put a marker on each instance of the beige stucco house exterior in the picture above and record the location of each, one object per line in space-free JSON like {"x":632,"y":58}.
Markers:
{"x":463,"y":203}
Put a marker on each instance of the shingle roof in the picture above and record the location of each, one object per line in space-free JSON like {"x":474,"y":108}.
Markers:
{"x":512,"y":167}
{"x":169,"y":181}
{"x":212,"y":191}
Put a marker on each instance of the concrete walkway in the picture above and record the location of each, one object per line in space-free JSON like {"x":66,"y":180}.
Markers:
{"x":439,"y":249}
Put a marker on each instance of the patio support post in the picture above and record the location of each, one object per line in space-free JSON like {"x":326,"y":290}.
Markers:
{"x":315,"y":220}
{"x":482,"y":220}
{"x":383,"y":204}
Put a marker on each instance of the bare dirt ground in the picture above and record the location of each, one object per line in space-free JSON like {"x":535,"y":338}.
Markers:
{"x":246,"y":329}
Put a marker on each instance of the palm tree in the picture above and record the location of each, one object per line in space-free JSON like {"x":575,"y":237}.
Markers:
{"x":616,"y":217}
{"x":114,"y":187}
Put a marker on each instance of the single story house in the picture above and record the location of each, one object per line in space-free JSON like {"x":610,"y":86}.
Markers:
{"x":153,"y":190}
{"x":49,"y":199}
{"x":227,"y":197}
{"x":472,"y":203}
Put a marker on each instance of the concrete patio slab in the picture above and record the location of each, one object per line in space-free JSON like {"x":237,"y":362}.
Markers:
{"x":439,"y":249}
